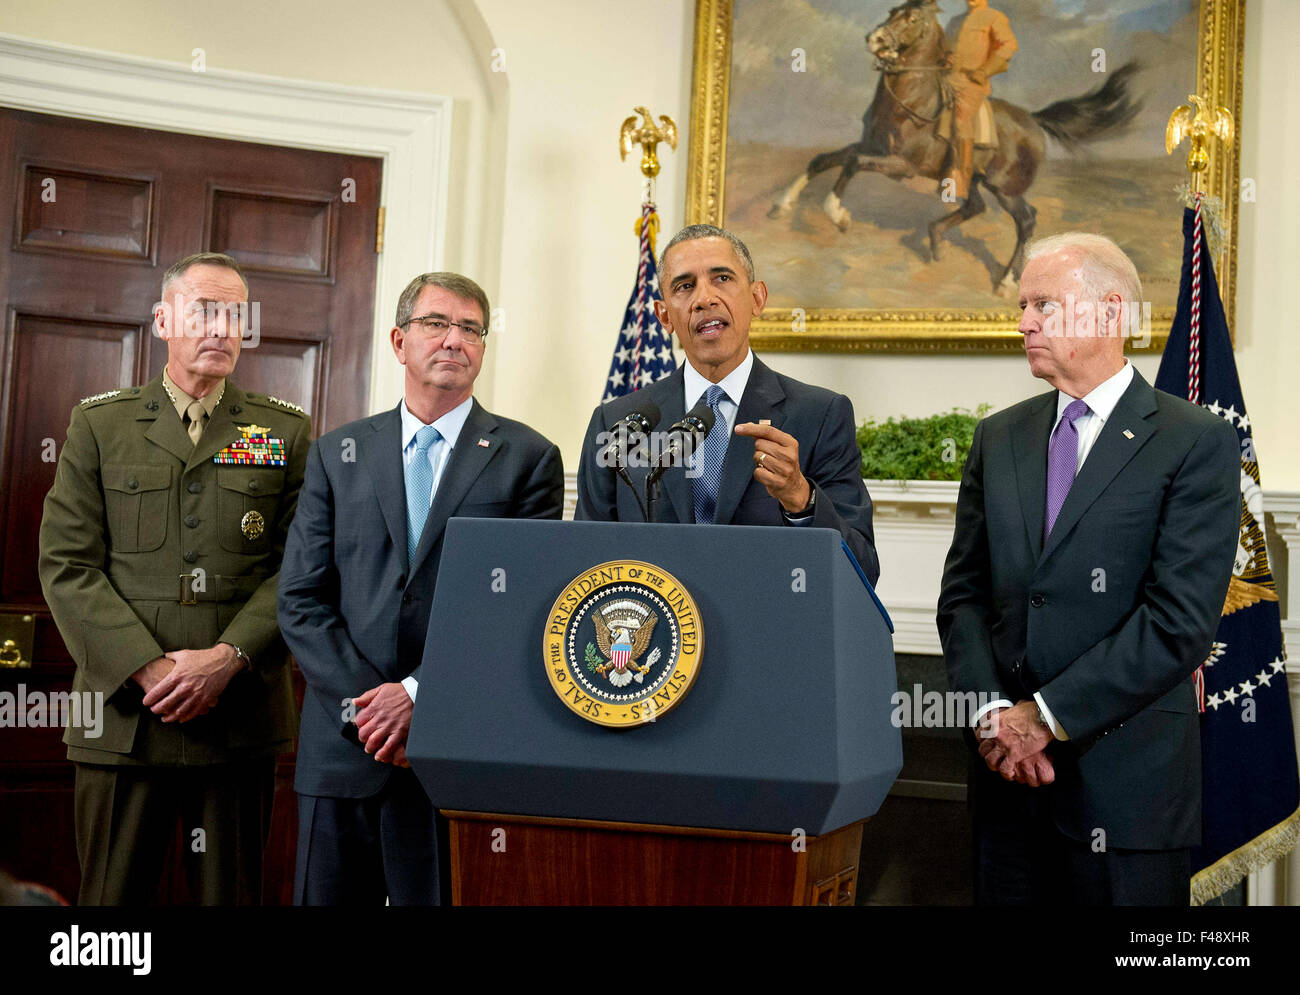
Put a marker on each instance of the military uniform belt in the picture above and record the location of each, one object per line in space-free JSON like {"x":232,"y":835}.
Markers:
{"x":186,"y":589}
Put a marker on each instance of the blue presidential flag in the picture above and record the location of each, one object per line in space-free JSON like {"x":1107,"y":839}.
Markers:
{"x":645,"y":351}
{"x":1250,"y":791}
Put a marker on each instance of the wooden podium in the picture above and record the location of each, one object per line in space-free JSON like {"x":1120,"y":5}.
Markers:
{"x":513,"y":860}
{"x":751,"y":790}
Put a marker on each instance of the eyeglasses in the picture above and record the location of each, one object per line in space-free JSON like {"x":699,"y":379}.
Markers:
{"x":438,"y":327}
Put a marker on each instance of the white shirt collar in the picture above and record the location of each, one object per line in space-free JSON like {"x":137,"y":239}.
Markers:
{"x":1101,"y":400}
{"x":448,"y":426}
{"x":733,"y":383}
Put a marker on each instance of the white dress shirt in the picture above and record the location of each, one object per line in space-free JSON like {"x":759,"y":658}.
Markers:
{"x":1101,"y":401}
{"x":733,"y":383}
{"x":448,"y":426}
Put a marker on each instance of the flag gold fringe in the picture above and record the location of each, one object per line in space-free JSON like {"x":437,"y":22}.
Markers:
{"x":1225,"y":872}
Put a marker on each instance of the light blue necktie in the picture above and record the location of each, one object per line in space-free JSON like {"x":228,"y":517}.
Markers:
{"x":709,"y":458}
{"x":419,"y":488}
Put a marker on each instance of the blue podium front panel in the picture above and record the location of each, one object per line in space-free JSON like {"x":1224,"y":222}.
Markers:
{"x":787,"y":725}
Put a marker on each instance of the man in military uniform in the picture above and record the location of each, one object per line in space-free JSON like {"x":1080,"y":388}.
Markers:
{"x":160,"y":553}
{"x":983,"y":47}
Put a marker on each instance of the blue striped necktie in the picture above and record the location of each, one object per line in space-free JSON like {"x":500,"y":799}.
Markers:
{"x":709,"y":458}
{"x":419,"y":488}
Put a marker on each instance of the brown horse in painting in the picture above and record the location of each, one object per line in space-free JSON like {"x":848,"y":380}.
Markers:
{"x":899,"y":133}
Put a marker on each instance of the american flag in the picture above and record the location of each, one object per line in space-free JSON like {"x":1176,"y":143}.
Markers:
{"x":645,"y":351}
{"x":1250,"y":786}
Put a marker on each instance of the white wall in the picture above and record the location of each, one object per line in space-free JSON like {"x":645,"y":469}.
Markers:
{"x":541,"y":207}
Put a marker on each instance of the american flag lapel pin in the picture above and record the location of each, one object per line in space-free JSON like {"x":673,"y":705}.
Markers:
{"x":1128,"y":434}
{"x":484,"y":442}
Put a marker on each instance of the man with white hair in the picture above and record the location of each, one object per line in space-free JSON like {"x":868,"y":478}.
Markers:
{"x":1096,"y":527}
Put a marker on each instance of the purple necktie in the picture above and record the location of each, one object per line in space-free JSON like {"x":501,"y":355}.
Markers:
{"x":1062,"y":462}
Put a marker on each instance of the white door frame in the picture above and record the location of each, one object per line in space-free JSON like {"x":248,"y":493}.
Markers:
{"x":411,"y":133}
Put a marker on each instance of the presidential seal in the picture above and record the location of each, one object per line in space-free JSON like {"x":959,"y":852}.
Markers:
{"x":623,"y":643}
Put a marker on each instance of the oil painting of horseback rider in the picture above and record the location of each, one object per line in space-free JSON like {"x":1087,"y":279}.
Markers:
{"x":986,"y":122}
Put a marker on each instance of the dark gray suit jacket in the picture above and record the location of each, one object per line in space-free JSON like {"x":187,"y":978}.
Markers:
{"x":1110,"y":617}
{"x":822,"y":422}
{"x":353,"y":611}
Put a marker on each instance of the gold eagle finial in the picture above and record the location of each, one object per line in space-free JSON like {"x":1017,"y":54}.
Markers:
{"x":1198,"y":121}
{"x":648,"y":136}
{"x":1242,"y":595}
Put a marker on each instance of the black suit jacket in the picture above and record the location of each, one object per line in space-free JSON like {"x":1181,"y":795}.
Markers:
{"x":353,"y":611}
{"x":822,"y":422}
{"x":1110,"y":617}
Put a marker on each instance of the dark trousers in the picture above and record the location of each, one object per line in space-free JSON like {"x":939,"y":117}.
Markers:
{"x":1021,"y":858}
{"x":361,"y":851}
{"x":127,"y":818}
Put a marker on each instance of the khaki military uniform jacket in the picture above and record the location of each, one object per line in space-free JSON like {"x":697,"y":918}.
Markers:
{"x":135,"y":505}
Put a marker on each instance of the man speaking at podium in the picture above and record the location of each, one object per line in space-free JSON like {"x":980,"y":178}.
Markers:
{"x":780,"y":452}
{"x":357,"y":585}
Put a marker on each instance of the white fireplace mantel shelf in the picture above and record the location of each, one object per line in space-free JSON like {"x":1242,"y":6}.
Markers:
{"x":914,"y":521}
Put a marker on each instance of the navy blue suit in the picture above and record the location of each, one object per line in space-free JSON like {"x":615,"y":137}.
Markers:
{"x":1108,"y":618}
{"x":353,"y":611}
{"x":821,"y":421}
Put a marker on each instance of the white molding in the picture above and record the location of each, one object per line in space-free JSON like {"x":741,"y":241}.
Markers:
{"x":410,"y":132}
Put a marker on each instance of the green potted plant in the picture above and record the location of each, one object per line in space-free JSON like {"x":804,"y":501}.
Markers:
{"x":931,"y":448}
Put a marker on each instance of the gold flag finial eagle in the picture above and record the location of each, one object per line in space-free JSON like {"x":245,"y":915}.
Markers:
{"x":1197,"y":120}
{"x":648,"y":136}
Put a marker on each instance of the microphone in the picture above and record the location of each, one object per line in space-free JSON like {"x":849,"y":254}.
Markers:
{"x":684,"y":437}
{"x":638,"y":422}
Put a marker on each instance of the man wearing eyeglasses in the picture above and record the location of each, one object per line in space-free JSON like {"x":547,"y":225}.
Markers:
{"x":357,"y":584}
{"x":160,"y":543}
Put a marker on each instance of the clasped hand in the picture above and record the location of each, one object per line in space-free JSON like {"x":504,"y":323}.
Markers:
{"x":383,"y":720}
{"x":1012,"y":743}
{"x":184,"y":684}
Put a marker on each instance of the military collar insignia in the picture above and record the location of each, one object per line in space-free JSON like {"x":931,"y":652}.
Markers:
{"x":172,"y":397}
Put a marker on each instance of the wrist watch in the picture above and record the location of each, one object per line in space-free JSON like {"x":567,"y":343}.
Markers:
{"x":249,"y":663}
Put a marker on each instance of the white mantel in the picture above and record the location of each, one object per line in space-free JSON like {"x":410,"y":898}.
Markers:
{"x":914,"y":522}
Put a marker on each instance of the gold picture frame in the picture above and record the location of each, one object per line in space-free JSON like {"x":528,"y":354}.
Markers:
{"x":1220,"y":44}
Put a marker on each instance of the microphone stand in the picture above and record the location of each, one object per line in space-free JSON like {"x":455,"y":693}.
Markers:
{"x":624,"y":476}
{"x":652,"y":488}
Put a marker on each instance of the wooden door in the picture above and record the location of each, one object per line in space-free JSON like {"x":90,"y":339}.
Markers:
{"x":98,"y":213}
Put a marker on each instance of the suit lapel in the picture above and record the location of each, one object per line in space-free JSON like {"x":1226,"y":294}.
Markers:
{"x":1109,"y":454}
{"x":381,"y":460}
{"x":1030,"y":447}
{"x":762,"y":396}
{"x":166,"y":431}
{"x":466,"y":462}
